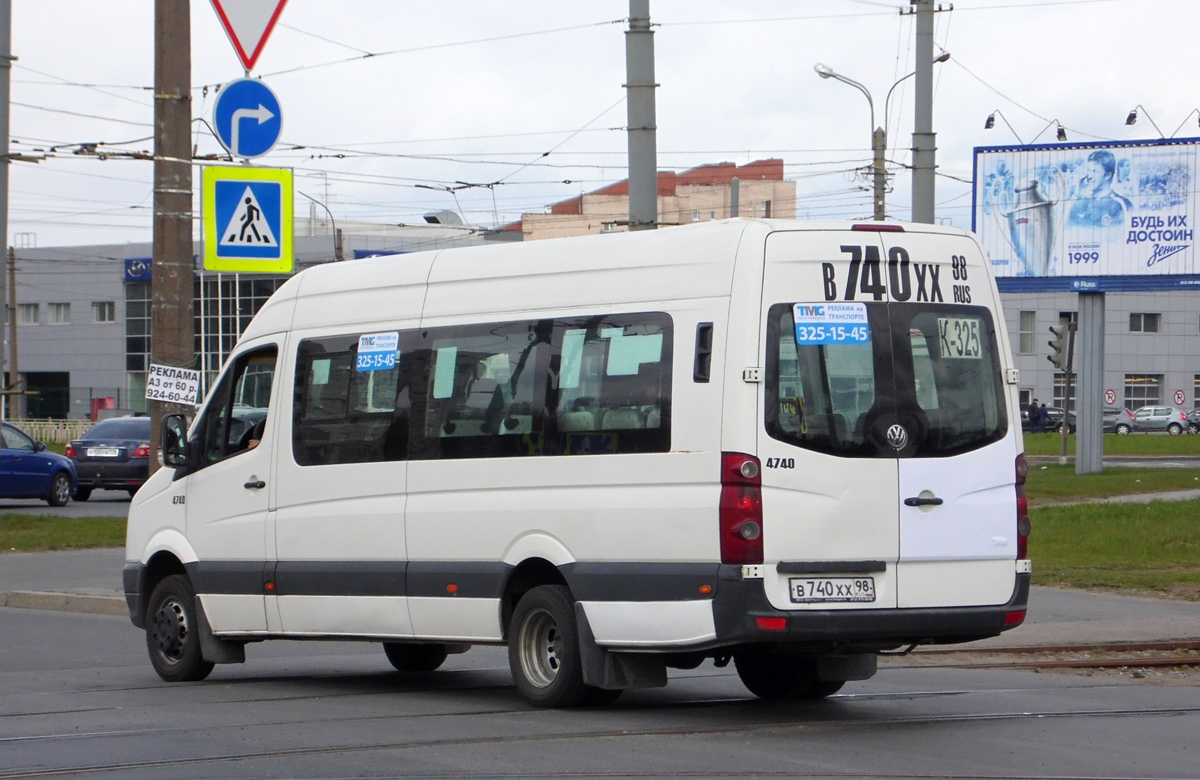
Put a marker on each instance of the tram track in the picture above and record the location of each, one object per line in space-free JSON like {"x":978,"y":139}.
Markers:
{"x":806,"y":725}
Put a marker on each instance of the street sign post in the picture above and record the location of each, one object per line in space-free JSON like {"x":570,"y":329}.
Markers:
{"x":248,"y":23}
{"x":247,"y":219}
{"x":247,"y":118}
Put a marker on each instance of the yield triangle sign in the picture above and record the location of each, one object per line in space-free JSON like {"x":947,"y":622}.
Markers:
{"x":248,"y":23}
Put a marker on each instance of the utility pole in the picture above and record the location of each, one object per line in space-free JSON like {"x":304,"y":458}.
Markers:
{"x":643,"y":130}
{"x":878,"y":174}
{"x":924,"y":142}
{"x":16,"y":385}
{"x":6,"y":60}
{"x":171,"y":327}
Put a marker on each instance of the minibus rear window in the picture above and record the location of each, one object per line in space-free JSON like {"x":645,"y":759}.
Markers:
{"x":934,"y":367}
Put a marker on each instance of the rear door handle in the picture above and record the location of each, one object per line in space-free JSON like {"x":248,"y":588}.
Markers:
{"x":257,"y":484}
{"x":915,"y":501}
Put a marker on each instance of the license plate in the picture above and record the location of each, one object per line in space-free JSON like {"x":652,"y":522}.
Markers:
{"x":103,"y":452}
{"x":816,"y":590}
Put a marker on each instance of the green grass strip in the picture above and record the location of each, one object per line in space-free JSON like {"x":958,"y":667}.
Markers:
{"x":37,"y":533}
{"x":1152,"y":547}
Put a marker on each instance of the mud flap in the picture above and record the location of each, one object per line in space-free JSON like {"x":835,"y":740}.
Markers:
{"x":843,"y":668}
{"x":213,"y":650}
{"x":616,"y":671}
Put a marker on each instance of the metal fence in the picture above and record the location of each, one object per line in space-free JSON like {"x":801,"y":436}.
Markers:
{"x":54,"y":431}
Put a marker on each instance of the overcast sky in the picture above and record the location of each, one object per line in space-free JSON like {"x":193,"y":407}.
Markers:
{"x":478,"y":91}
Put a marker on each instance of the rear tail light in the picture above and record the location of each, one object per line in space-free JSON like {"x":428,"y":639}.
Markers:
{"x":741,"y":509}
{"x":143,"y":451}
{"x":1023,"y":526}
{"x":69,"y":451}
{"x":876,"y":227}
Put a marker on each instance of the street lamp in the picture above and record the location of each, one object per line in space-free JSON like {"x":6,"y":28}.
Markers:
{"x":878,"y":134}
{"x":990,"y":122}
{"x":1133,"y":118}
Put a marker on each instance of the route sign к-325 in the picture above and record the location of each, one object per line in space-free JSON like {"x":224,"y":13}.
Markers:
{"x":247,"y":118}
{"x":247,"y":219}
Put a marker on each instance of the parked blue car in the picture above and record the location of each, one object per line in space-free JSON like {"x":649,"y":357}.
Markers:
{"x":28,"y":470}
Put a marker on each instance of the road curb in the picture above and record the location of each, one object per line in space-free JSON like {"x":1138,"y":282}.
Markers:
{"x":64,"y":602}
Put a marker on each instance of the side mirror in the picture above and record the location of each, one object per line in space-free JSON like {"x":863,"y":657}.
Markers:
{"x":39,"y":446}
{"x":174,"y":440}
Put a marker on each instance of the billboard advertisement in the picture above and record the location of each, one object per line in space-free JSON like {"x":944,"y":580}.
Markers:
{"x":1094,"y":216}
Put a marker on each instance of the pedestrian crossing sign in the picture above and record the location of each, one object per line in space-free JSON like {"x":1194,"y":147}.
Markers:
{"x":247,"y":219}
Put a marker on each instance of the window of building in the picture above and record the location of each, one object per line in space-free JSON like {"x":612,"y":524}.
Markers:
{"x":767,"y":209}
{"x":104,"y":311}
{"x":60,"y":313}
{"x":1060,"y":387}
{"x":1196,"y":392}
{"x":1028,"y":326}
{"x":137,"y":326}
{"x":1143,"y":390}
{"x":27,"y":313}
{"x":1144,"y":323}
{"x":695,"y":216}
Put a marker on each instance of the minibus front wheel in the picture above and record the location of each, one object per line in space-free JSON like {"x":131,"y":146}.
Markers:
{"x":173,"y":631}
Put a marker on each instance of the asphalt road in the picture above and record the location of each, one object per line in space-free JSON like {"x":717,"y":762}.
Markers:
{"x":78,"y":697}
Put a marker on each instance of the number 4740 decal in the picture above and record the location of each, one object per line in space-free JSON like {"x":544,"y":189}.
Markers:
{"x":865,"y":275}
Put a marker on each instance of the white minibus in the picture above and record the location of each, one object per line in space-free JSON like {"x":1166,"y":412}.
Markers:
{"x":787,"y":444}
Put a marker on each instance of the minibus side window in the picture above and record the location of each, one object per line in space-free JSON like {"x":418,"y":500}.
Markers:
{"x":611,"y":384}
{"x":236,"y":416}
{"x":483,"y":390}
{"x":352,"y":401}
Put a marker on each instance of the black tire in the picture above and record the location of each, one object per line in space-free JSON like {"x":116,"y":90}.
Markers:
{"x":543,"y":649}
{"x":172,"y":632}
{"x":414,"y":658}
{"x":1123,"y":430}
{"x":776,"y":677}
{"x":83,"y":494}
{"x":60,"y":490}
{"x":1174,"y":429}
{"x":823,"y":689}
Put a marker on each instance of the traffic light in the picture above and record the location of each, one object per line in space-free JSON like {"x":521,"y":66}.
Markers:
{"x":1059,"y":344}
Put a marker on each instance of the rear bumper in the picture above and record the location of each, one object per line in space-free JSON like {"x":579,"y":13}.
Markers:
{"x":740,"y":603}
{"x":118,"y":476}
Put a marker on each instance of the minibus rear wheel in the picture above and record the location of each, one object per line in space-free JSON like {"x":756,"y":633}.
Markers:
{"x":779,"y":677}
{"x":543,"y":649}
{"x":414,"y":658}
{"x":172,"y":631}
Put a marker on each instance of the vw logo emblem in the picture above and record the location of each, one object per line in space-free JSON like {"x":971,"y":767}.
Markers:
{"x":897,"y":436}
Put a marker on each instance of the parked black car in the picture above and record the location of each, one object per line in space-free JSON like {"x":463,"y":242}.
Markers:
{"x":113,"y":455}
{"x":1054,"y":417}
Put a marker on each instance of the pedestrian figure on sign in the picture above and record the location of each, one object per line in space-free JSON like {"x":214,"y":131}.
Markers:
{"x":252,"y":214}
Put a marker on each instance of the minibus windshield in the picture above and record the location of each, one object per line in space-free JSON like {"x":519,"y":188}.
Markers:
{"x":837,"y":380}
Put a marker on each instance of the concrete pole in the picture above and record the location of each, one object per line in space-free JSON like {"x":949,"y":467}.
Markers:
{"x":6,"y":60}
{"x":171,"y":327}
{"x":1089,"y":440}
{"x":878,"y":173}
{"x":643,"y":129}
{"x":924,"y":143}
